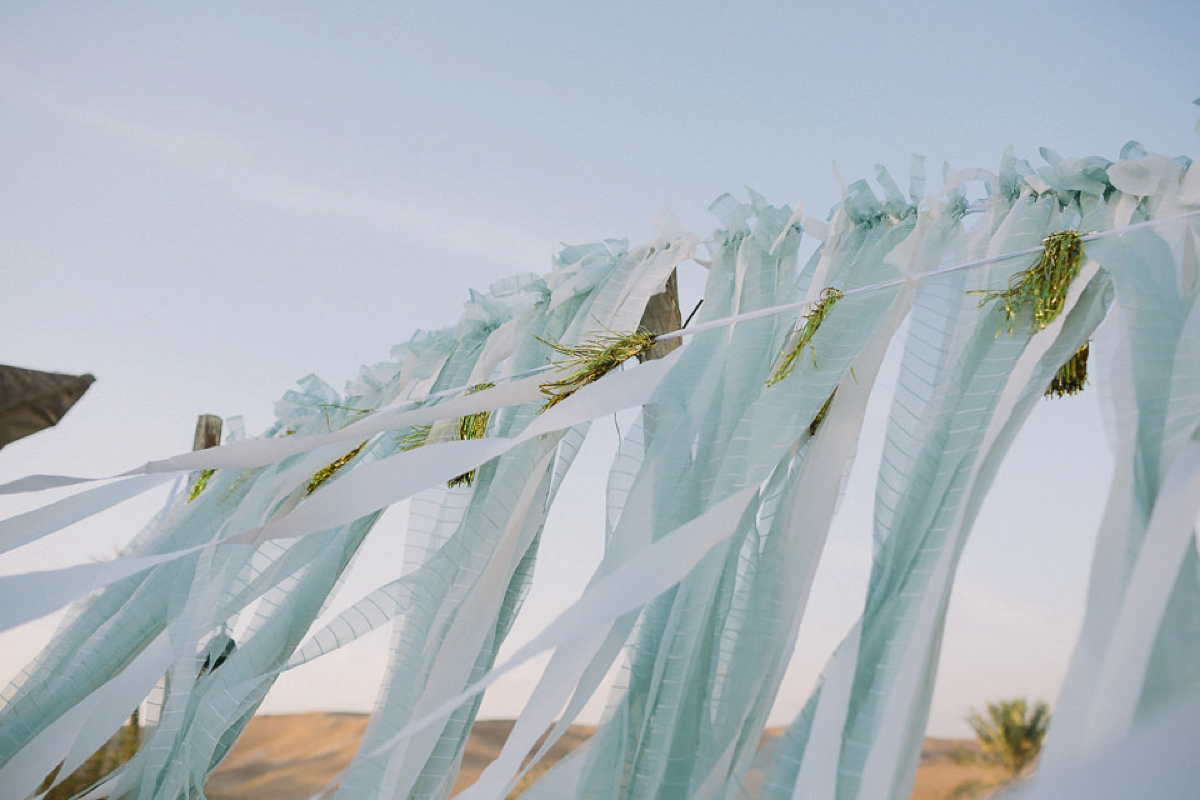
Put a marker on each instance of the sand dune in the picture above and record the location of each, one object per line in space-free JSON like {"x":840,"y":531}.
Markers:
{"x":294,"y":756}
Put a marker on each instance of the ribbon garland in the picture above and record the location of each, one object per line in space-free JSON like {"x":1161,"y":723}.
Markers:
{"x":1040,"y":289}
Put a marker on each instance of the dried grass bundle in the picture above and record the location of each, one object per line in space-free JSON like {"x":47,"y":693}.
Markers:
{"x":472,"y":426}
{"x":327,"y":472}
{"x":201,"y":484}
{"x":592,"y":360}
{"x":1043,"y":287}
{"x":414,"y":438}
{"x":1071,"y":376}
{"x":802,"y":337}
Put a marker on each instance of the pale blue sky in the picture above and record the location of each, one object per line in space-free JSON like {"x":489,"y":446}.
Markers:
{"x":204,"y":202}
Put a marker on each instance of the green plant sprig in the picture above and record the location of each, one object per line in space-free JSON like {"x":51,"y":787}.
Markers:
{"x":1043,"y":286}
{"x":820,"y":417}
{"x":414,"y":437}
{"x":591,"y":360}
{"x":201,"y":484}
{"x":1071,"y":376}
{"x":327,"y":472}
{"x":802,"y":337}
{"x":472,"y":426}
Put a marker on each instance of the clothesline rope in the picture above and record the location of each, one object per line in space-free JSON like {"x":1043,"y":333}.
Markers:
{"x":799,"y":304}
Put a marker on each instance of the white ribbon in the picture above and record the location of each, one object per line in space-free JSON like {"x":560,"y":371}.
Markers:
{"x":367,"y":489}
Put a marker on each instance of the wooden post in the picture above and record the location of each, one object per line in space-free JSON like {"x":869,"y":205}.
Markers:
{"x":662,"y":316}
{"x":208,"y":432}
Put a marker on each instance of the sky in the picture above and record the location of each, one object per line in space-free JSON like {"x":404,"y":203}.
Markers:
{"x":204,"y":202}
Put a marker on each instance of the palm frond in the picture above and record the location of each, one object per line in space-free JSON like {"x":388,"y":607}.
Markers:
{"x":1009,"y":735}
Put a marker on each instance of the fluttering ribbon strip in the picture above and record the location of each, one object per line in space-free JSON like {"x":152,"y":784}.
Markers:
{"x":963,"y":383}
{"x":260,"y":452}
{"x":1134,"y":657}
{"x":874,"y":732}
{"x":32,"y":525}
{"x":1170,"y":532}
{"x":632,"y":584}
{"x":81,"y":731}
{"x":369,"y":488}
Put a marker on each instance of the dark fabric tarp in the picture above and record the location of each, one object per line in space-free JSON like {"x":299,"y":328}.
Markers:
{"x":31,"y":400}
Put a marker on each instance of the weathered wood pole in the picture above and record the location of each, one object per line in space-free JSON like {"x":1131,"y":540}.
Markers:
{"x":662,"y":316}
{"x":208,"y":432}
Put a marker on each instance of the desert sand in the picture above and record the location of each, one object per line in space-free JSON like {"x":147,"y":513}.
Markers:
{"x":294,"y":756}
